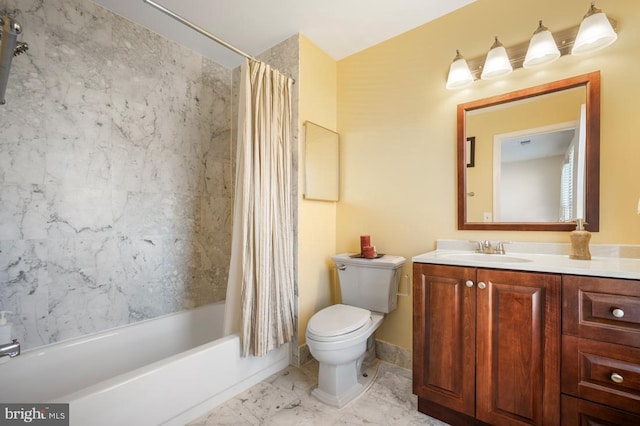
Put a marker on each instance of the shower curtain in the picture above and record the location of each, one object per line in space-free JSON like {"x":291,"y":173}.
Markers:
{"x":260,"y":289}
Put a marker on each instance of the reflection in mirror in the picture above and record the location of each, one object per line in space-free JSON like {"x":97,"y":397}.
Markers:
{"x":535,"y":162}
{"x":322,"y":173}
{"x":536,"y":178}
{"x":528,"y":142}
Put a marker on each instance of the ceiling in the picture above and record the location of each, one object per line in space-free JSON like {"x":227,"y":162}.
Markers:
{"x":339,"y":27}
{"x":537,"y":145}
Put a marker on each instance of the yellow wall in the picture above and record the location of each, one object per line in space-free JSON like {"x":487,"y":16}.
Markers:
{"x":398,"y":129}
{"x":317,"y":219}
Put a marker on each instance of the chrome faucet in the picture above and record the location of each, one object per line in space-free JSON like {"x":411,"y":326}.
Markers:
{"x":487,"y":247}
{"x":10,"y":349}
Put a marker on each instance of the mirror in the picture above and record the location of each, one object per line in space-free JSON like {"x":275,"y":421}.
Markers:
{"x":529,"y":160}
{"x":322,"y":163}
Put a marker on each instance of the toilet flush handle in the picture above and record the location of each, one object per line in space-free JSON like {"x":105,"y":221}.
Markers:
{"x":408,"y":293}
{"x":341,"y":266}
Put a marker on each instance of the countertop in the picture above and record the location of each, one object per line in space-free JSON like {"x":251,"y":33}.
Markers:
{"x":614,"y":261}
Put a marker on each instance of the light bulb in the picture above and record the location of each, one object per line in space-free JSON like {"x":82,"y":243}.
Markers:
{"x":459,"y":73}
{"x":497,"y":63}
{"x":542,"y":48}
{"x":595,"y":33}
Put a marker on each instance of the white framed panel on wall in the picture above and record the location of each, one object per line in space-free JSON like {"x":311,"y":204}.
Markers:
{"x":322,"y":163}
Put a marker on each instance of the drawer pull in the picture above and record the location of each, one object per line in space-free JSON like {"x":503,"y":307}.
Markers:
{"x":616,"y":378}
{"x":482,"y":285}
{"x":617,"y":312}
{"x":469,"y":283}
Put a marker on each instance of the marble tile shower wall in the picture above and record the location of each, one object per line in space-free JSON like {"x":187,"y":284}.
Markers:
{"x":115,"y":174}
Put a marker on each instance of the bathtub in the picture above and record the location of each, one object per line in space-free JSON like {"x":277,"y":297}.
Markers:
{"x":164,"y":371}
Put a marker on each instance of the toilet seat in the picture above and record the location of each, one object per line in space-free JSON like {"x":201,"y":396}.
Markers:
{"x":337,"y":320}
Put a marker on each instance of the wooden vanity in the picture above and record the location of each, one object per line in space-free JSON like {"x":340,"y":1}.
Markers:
{"x":600,"y":351}
{"x":493,"y":345}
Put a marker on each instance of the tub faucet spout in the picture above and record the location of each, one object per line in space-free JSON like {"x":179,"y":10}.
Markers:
{"x":10,"y":349}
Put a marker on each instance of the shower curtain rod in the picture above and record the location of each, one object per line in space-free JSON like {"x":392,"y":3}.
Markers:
{"x":201,"y":30}
{"x":198,"y":29}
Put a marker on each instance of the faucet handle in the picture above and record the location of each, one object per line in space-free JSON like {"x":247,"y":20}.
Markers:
{"x":500,"y":248}
{"x":479,"y":245}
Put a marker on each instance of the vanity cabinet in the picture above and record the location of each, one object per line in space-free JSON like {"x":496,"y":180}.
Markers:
{"x":600,"y":351}
{"x":486,"y":345}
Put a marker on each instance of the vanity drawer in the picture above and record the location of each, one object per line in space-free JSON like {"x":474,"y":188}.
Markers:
{"x":577,"y":412}
{"x":605,"y":309}
{"x":601,"y":372}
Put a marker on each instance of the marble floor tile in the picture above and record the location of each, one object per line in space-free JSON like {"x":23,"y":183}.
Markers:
{"x":285,"y":399}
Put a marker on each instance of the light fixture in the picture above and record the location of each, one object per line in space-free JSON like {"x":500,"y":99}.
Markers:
{"x":497,"y":63}
{"x":542,"y":48}
{"x":459,"y":73}
{"x":595,"y":32}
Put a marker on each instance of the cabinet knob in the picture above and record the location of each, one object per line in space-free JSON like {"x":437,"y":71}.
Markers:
{"x":469,"y":283}
{"x":482,"y":285}
{"x":618,"y":313}
{"x":616,"y":378}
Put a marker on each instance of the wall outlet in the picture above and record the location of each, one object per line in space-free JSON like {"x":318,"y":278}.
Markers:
{"x":488,"y":216}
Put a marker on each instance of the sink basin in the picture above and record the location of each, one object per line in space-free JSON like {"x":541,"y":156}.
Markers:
{"x":481,"y":257}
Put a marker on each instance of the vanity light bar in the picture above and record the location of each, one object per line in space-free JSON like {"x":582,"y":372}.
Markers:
{"x":564,"y":40}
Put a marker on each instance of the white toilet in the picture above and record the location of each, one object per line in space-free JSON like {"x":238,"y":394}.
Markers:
{"x":337,"y":335}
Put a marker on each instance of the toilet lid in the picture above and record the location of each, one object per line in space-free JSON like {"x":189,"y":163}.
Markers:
{"x":336,"y":320}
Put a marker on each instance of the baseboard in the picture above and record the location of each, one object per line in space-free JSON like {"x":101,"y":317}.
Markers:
{"x":393,"y":354}
{"x":301,"y":356}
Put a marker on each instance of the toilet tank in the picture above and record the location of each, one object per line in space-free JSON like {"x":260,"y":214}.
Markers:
{"x":369,"y":283}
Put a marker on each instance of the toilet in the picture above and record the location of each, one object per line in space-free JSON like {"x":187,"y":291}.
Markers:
{"x":340,"y":336}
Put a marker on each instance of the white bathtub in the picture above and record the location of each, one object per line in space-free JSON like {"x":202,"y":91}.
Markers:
{"x":168,"y":370}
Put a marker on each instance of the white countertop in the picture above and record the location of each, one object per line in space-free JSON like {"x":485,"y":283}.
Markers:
{"x":615,"y":261}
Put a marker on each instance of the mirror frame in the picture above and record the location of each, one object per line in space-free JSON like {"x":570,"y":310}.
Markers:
{"x":591,"y":82}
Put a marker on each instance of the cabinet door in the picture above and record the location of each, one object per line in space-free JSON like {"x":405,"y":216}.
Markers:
{"x":444,"y":336}
{"x":518,"y":354}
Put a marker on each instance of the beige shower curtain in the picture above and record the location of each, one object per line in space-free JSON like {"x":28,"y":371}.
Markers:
{"x":261,"y":270}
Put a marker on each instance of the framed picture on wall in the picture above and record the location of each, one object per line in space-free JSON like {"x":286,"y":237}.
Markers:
{"x":470,"y":151}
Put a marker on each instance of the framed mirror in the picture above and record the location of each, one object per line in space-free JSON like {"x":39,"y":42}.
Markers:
{"x":529,"y":160}
{"x":322,"y":163}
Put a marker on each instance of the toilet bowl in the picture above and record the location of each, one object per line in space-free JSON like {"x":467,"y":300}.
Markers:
{"x":340,"y":337}
{"x":337,"y":337}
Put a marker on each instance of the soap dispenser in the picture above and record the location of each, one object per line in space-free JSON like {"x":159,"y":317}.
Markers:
{"x":5,"y":328}
{"x":580,"y":241}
